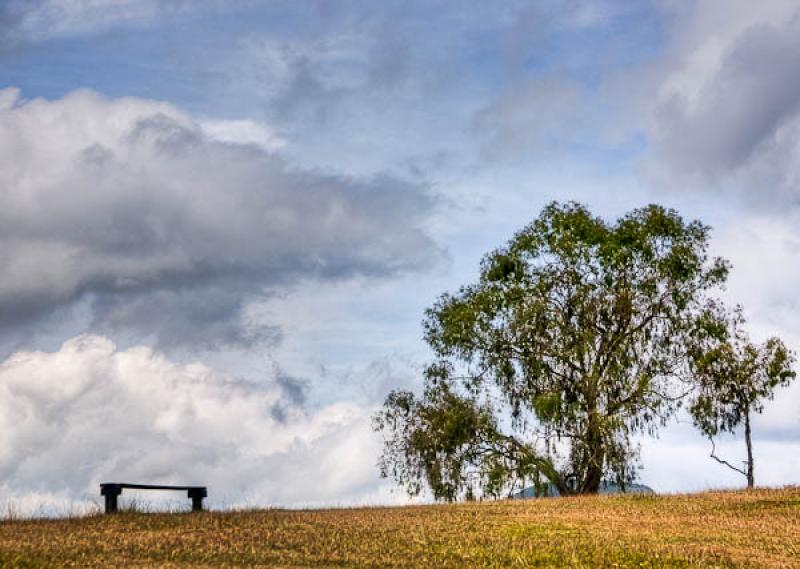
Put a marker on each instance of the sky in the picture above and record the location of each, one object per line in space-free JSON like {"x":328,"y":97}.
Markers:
{"x":221,"y":221}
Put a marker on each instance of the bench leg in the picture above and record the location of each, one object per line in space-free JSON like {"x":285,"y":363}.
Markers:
{"x":111,"y":495}
{"x":111,"y":503}
{"x":197,"y":495}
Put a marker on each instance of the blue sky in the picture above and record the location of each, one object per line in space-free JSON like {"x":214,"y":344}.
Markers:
{"x":244,"y":208}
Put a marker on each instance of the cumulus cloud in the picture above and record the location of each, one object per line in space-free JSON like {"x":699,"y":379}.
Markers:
{"x":166,"y":229}
{"x":90,"y":412}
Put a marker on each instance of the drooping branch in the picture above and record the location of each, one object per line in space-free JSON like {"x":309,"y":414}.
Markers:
{"x":725,"y":462}
{"x":543,"y":464}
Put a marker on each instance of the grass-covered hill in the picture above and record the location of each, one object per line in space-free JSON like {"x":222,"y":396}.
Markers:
{"x":724,"y":529}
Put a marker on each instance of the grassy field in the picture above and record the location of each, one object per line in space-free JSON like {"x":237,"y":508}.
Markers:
{"x":717,"y":529}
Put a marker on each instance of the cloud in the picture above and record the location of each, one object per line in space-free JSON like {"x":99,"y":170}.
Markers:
{"x":727,"y":103}
{"x":562,"y":104}
{"x":130,"y":207}
{"x":25,"y":21}
{"x":90,"y":412}
{"x":243,"y":131}
{"x":540,"y":117}
{"x":765,"y":252}
{"x":400,"y":80}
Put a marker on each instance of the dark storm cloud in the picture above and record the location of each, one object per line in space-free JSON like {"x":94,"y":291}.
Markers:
{"x":130,"y":206}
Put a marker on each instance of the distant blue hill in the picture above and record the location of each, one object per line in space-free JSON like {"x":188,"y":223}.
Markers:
{"x":605,"y":488}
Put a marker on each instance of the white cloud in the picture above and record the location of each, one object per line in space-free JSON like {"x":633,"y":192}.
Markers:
{"x":765,"y":253}
{"x":243,"y":131}
{"x":90,"y":412}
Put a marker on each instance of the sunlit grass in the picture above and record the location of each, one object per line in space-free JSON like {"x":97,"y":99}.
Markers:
{"x":759,"y":528}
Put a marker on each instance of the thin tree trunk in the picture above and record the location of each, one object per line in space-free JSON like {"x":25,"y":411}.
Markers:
{"x":749,"y":442}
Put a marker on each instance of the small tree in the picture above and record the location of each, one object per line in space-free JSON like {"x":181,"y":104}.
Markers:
{"x":734,"y":378}
{"x":568,"y":344}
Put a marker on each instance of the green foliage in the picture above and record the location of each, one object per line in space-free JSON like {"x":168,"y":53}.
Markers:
{"x":734,"y":376}
{"x":568,"y":344}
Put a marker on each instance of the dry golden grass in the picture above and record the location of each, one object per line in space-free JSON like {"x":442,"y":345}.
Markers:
{"x":759,"y":528}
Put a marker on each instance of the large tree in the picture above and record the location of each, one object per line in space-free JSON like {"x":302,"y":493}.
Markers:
{"x":734,"y":377}
{"x":569,"y":343}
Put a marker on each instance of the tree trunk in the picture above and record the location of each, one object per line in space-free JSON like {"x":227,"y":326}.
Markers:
{"x":546,"y":468}
{"x":594,"y":475}
{"x":749,"y":442}
{"x":595,"y":455}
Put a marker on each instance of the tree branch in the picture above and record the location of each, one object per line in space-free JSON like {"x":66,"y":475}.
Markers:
{"x":725,"y":462}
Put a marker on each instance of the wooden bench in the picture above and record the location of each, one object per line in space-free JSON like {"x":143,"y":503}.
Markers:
{"x":112,"y":490}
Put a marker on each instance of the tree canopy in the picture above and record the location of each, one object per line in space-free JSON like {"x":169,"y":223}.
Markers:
{"x":574,"y":338}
